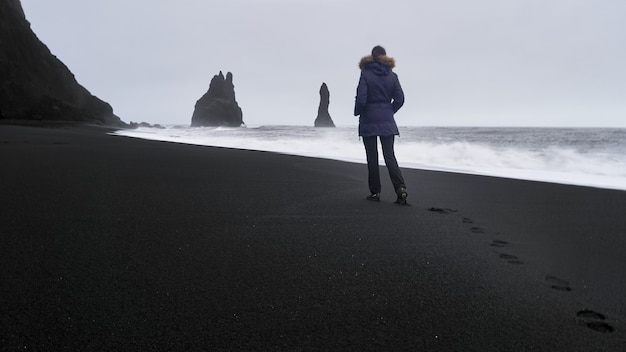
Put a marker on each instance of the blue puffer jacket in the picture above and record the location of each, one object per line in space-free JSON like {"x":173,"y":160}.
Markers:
{"x":378,"y":96}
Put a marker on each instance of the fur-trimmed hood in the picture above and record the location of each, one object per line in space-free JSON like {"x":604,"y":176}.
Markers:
{"x":386,"y":60}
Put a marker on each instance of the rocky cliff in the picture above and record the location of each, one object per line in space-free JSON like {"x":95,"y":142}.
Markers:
{"x":34,"y":84}
{"x":323,"y":118}
{"x":218,"y":106}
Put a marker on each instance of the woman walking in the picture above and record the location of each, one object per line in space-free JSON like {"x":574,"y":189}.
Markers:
{"x":378,"y":97}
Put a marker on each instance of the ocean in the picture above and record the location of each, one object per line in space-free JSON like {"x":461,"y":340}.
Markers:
{"x":593,"y":157}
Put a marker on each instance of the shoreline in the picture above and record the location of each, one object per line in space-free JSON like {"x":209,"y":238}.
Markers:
{"x":537,"y":174}
{"x":113,"y":243}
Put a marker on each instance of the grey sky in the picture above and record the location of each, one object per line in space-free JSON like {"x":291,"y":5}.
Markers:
{"x":461,"y":63}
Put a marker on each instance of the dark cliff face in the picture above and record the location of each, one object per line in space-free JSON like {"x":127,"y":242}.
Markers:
{"x":34,"y":84}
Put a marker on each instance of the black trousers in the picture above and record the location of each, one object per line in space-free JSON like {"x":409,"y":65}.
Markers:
{"x":371,"y":151}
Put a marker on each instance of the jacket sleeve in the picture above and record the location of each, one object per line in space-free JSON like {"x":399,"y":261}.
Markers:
{"x":361,"y":96}
{"x":398,"y":95}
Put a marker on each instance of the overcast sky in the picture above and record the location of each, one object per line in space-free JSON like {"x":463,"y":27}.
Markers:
{"x":461,"y":63}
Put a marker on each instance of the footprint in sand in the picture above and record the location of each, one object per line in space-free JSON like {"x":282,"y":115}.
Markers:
{"x":477,"y":230}
{"x":499,"y":243}
{"x":594,"y":321}
{"x":558,"y":284}
{"x":442,"y":210}
{"x":511,"y":259}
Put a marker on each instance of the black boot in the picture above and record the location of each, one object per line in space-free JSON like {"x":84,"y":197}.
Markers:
{"x":374,"y":197}
{"x":402,"y":196}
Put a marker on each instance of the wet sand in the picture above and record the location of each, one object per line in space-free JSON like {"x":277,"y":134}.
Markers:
{"x":113,"y":243}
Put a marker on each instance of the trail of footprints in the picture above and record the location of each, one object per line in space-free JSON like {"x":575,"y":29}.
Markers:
{"x":589,"y":318}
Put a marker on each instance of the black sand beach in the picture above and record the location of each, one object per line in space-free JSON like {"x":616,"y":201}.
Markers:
{"x":110,"y":243}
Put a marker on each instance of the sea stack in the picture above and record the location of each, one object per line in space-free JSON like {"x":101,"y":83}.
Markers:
{"x":218,"y":107}
{"x":323,"y":117}
{"x":34,"y":84}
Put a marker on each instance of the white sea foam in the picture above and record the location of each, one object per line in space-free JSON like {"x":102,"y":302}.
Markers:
{"x":549,"y":163}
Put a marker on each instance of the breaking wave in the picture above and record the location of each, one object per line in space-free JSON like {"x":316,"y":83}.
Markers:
{"x":462,"y":150}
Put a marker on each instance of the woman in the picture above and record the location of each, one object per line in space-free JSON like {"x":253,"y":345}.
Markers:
{"x":378,"y":97}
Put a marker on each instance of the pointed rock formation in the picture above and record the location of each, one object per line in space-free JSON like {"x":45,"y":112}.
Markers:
{"x":34,"y":84}
{"x":323,"y":117}
{"x":218,"y":107}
